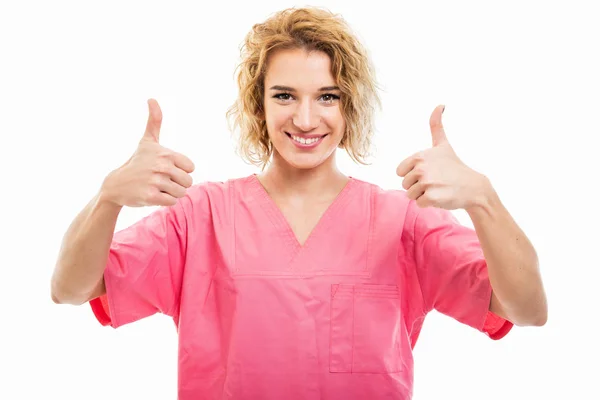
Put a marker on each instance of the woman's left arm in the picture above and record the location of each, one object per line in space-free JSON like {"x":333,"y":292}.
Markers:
{"x":436,"y":177}
{"x":517,"y":290}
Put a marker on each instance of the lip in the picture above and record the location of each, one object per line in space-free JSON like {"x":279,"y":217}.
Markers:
{"x":309,"y":145}
{"x":306,"y":136}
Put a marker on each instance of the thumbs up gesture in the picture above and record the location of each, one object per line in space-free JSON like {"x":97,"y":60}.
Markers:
{"x":154,"y":175}
{"x":436,"y":177}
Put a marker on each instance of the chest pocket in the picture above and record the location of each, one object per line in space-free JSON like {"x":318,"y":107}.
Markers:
{"x":365,"y":331}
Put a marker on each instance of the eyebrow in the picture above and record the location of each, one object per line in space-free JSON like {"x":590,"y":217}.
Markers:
{"x":290,"y":89}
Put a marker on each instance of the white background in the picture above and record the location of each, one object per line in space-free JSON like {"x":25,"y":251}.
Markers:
{"x":521,"y":85}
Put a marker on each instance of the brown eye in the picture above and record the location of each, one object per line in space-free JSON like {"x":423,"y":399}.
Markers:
{"x":329,"y":98}
{"x":282,"y":96}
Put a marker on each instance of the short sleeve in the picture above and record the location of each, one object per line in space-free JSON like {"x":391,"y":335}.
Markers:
{"x":452,"y":271}
{"x":145,"y":267}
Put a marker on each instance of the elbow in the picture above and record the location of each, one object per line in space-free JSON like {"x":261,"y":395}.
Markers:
{"x":536,"y":318}
{"x":531,"y":310}
{"x":55,"y":293}
{"x":537,"y":321}
{"x":540,"y":319}
{"x":61,"y":296}
{"x":55,"y":298}
{"x":64,"y":299}
{"x":540,"y":316}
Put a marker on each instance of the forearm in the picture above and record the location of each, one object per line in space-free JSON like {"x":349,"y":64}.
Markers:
{"x":512,"y":260}
{"x":84,"y":252}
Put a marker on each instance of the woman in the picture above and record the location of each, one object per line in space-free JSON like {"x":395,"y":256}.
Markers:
{"x":300,"y":282}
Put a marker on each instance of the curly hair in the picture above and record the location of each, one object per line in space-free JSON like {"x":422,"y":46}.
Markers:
{"x":311,"y":29}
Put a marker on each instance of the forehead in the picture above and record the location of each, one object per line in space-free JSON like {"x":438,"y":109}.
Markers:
{"x":299,"y":69}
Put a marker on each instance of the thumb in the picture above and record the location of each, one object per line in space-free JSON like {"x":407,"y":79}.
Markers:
{"x":438,"y":135}
{"x":154,"y":121}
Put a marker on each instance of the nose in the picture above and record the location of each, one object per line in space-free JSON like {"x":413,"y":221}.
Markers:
{"x":305,"y":117}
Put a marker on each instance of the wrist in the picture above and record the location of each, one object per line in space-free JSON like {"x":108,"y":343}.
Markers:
{"x":484,"y":198}
{"x":107,"y":196}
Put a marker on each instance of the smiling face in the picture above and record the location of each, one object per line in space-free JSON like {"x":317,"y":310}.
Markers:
{"x":302,"y":108}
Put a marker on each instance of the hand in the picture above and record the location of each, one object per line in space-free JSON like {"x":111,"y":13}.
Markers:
{"x":154,"y":175}
{"x":436,"y":177}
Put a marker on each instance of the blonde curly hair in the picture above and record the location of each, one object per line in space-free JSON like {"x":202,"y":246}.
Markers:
{"x":311,"y":29}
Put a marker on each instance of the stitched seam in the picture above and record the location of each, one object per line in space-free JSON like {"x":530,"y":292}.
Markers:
{"x":177,"y":302}
{"x":276,"y":218}
{"x":232,"y":255}
{"x":371,"y":228}
{"x":353,"y":330}
{"x":327,"y":215}
{"x":414,"y":257}
{"x":331,"y":329}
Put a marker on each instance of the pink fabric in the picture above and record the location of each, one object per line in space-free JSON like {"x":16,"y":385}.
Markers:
{"x":261,"y":317}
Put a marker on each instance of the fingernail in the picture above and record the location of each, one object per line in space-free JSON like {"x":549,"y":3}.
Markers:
{"x":443,"y":109}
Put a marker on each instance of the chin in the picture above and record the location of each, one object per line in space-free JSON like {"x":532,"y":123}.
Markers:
{"x":305,"y":159}
{"x":304,"y":162}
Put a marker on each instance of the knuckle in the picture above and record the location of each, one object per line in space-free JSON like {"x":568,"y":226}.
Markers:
{"x":429,"y":198}
{"x":165,"y":154}
{"x":150,"y":195}
{"x":420,"y":156}
{"x":188,"y":181}
{"x":161,"y":167}
{"x":156,"y":180}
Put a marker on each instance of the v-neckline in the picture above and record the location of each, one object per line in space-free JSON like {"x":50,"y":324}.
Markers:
{"x":279,"y":218}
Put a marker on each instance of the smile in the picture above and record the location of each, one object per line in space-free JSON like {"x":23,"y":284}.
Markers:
{"x":305,"y":142}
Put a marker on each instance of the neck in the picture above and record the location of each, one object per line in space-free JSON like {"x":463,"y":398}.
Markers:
{"x":316,"y":182}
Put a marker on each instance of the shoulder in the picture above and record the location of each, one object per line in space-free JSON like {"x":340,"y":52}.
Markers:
{"x":386,"y":200}
{"x":391,"y":208}
{"x":394,"y":204}
{"x":211,"y":196}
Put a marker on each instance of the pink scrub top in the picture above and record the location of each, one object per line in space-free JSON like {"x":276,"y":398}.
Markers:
{"x":260,"y":316}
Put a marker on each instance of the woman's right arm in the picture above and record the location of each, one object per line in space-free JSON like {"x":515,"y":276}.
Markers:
{"x":153,"y":176}
{"x":79,"y":273}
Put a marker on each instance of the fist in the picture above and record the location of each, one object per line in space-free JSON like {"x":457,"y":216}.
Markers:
{"x":436,"y":177}
{"x":154,"y":175}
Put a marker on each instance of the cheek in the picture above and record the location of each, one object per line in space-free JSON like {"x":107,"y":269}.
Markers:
{"x":336,"y":121}
{"x":276,"y":119}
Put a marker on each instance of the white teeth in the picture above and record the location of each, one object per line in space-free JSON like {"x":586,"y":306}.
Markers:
{"x":305,"y":141}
